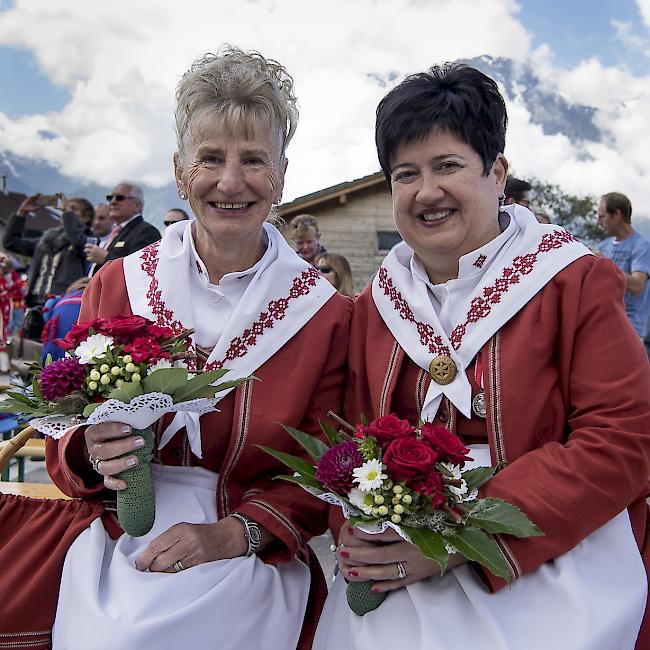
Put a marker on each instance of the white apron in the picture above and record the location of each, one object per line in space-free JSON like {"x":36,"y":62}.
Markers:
{"x":591,"y":598}
{"x":106,"y":603}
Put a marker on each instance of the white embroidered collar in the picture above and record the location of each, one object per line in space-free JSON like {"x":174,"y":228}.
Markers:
{"x":527,"y":256}
{"x":285,"y":292}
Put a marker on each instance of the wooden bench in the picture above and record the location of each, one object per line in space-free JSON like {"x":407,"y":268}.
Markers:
{"x":33,"y":448}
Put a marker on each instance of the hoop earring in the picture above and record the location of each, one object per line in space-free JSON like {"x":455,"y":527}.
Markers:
{"x":182,"y":195}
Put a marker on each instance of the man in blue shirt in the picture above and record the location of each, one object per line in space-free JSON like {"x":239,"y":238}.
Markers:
{"x":630,"y":251}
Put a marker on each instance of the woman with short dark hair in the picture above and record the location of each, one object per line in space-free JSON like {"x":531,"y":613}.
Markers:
{"x":503,"y":330}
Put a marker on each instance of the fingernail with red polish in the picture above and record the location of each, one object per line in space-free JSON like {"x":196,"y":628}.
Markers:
{"x":375,"y":590}
{"x":345,"y":554}
{"x":353,"y":573}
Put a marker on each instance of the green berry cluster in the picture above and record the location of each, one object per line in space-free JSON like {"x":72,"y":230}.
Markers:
{"x":111,"y":373}
{"x":395,"y":500}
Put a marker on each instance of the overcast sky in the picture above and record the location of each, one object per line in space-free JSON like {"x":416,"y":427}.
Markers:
{"x":89,"y":86}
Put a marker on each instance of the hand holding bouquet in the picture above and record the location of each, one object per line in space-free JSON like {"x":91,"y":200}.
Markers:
{"x":122,"y":369}
{"x":390,"y":474}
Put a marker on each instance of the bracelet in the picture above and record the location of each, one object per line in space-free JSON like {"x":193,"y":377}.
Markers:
{"x":253,"y":533}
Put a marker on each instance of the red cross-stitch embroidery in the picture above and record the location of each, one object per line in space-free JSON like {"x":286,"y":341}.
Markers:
{"x":481,"y":306}
{"x":275,"y":310}
{"x":428,"y":337}
{"x":480,"y":260}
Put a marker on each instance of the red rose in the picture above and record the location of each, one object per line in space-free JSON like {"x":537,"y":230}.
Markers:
{"x":125,"y":328}
{"x":431,"y":486}
{"x":408,"y":459}
{"x":388,"y":428}
{"x":448,"y":446}
{"x":78,"y":333}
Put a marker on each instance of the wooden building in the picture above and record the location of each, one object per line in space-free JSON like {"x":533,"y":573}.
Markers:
{"x":355,"y":220}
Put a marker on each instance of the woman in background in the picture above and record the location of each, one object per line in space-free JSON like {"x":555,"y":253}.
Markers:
{"x":337,"y":270}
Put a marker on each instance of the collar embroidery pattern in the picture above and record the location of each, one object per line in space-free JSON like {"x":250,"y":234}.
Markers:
{"x":428,"y":337}
{"x":480,"y":260}
{"x":481,"y":306}
{"x":275,"y":310}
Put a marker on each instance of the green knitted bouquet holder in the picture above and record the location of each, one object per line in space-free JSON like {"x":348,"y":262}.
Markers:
{"x":361,"y":600}
{"x":136,"y":505}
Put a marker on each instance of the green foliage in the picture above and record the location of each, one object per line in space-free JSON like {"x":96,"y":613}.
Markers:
{"x":292,"y":462}
{"x":477,"y":476}
{"x":497,"y":516}
{"x":313,"y":446}
{"x":430,"y":543}
{"x":330,"y":432}
{"x":479,"y":547}
{"x":575,"y":213}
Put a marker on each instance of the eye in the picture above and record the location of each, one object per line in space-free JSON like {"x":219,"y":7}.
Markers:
{"x":255,"y":161}
{"x":211,"y":159}
{"x":404,"y":176}
{"x":449,"y":166}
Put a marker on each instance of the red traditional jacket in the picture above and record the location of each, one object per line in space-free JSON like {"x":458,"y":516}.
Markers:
{"x":567,"y":386}
{"x":298,"y":385}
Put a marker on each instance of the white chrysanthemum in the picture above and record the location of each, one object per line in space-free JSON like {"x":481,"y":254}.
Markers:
{"x":369,"y":476}
{"x":459,"y":492}
{"x":159,"y":365}
{"x":94,"y":347}
{"x":364,"y":501}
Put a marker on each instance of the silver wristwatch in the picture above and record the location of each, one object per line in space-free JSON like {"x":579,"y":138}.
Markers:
{"x":253,"y":533}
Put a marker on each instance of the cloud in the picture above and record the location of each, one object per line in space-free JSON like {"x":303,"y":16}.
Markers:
{"x":644,"y":10}
{"x":121,"y":61}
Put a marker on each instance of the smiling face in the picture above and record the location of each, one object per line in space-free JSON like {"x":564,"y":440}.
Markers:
{"x":232,"y":178}
{"x":444,"y":206}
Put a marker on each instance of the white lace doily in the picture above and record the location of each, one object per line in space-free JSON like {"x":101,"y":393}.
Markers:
{"x":351,"y":511}
{"x":141,"y":412}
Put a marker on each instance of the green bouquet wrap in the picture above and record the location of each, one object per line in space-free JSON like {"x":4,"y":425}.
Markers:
{"x":136,"y":505}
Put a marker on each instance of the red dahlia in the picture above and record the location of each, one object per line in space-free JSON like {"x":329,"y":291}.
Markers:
{"x":61,"y":378}
{"x":335,"y":467}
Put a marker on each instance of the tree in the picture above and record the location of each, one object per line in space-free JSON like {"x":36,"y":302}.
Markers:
{"x":575,"y":213}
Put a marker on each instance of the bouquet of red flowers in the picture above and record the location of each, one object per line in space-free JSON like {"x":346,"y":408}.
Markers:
{"x":390,"y":474}
{"x":122,"y":369}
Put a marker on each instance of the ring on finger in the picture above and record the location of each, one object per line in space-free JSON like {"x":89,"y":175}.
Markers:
{"x":401,"y":571}
{"x":178,"y":566}
{"x":95,"y":463}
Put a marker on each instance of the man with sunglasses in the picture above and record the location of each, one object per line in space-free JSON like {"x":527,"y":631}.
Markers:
{"x":130,"y":231}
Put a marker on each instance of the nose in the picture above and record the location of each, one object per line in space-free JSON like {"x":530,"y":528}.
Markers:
{"x":429,"y":190}
{"x":231,"y":178}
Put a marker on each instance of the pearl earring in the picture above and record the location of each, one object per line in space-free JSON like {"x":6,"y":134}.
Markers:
{"x":182,"y":195}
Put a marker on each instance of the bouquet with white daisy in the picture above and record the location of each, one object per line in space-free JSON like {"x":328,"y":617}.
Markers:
{"x":124,"y":369}
{"x":390,"y":474}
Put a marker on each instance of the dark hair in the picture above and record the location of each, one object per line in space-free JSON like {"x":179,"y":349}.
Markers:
{"x":87,"y":208}
{"x":453,"y":98}
{"x":180,"y":211}
{"x":516,"y":188}
{"x":617,"y":201}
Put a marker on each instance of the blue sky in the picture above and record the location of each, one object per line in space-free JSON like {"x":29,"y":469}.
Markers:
{"x":579,"y":29}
